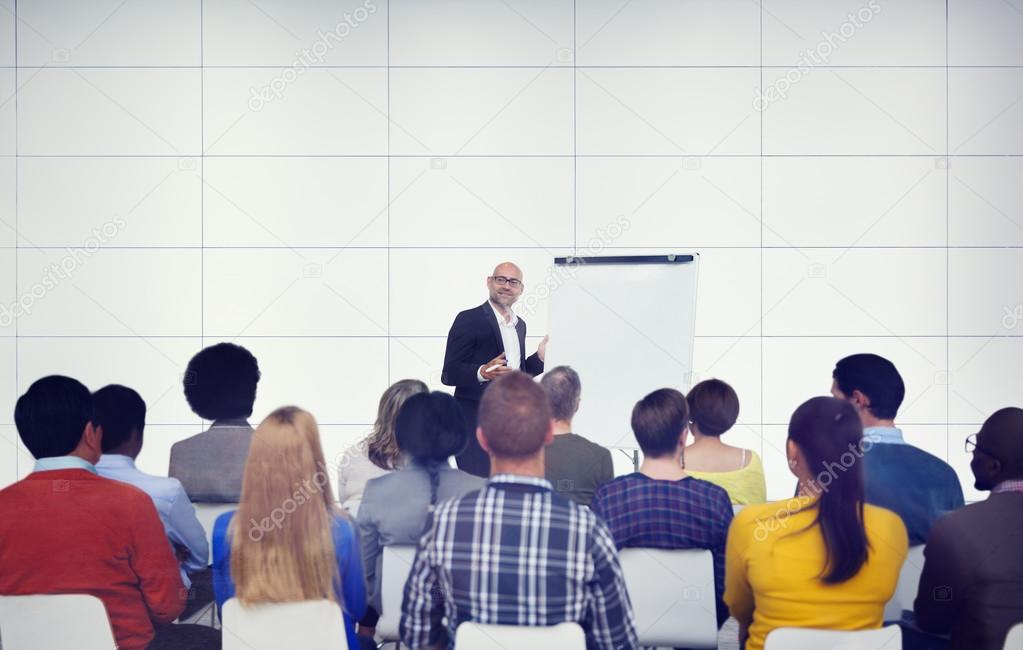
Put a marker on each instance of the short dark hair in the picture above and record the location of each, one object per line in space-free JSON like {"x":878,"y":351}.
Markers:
{"x":713,"y":406}
{"x":563,"y":389}
{"x":658,"y":420}
{"x":220,"y":382}
{"x":875,"y":377}
{"x":119,"y":410}
{"x":430,"y":427}
{"x":515,"y":416}
{"x":52,"y":414}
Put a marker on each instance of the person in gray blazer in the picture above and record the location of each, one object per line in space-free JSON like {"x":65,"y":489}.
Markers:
{"x":395,"y":509}
{"x":220,"y":385}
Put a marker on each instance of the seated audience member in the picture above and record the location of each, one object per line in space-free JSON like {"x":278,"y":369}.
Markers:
{"x":713,"y":410}
{"x":660,"y":506}
{"x":824,"y":558}
{"x":288,"y":541}
{"x":66,"y":530}
{"x":575,"y":466}
{"x":220,"y":385}
{"x":477,"y":559}
{"x":972,"y":582}
{"x":914,"y":484}
{"x":378,"y":454}
{"x":121,"y":413}
{"x":429,"y":430}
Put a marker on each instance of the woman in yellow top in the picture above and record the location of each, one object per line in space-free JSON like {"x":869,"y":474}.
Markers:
{"x":713,"y":410}
{"x":823,"y":559}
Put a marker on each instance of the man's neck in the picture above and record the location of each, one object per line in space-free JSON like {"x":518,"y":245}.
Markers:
{"x":869,"y":421}
{"x":505,"y":312}
{"x":663,"y":468}
{"x":562,"y":427}
{"x":531,"y":466}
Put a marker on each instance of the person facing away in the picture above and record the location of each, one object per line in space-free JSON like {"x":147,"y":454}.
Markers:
{"x":972,"y":582}
{"x":916,"y":485}
{"x":429,"y":430}
{"x":661,"y":506}
{"x":121,"y":413}
{"x":575,"y":466}
{"x":822,"y":559}
{"x":65,"y":529}
{"x":516,"y":552}
{"x":713,"y":410}
{"x":288,"y":541}
{"x":378,"y":453}
{"x":483,"y":343}
{"x":220,"y":385}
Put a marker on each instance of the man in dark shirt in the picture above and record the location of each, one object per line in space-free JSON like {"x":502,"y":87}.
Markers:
{"x":914,"y":484}
{"x":972,"y":582}
{"x":575,"y":466}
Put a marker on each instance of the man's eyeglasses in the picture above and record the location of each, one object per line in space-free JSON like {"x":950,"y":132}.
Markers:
{"x":971,"y":445}
{"x":500,"y":280}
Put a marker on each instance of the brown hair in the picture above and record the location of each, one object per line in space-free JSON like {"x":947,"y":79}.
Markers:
{"x":713,"y":406}
{"x":381,"y":446}
{"x":658,"y":421}
{"x":515,"y":416}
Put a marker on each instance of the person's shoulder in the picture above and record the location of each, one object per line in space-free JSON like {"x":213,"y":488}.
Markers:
{"x":708,"y":489}
{"x":471,"y":313}
{"x":884,"y":523}
{"x":191,"y":442}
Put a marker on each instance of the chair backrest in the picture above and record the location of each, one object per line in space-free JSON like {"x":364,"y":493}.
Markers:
{"x":563,"y":636}
{"x":1014,"y":639}
{"x":207,"y":514}
{"x":909,"y":583}
{"x":737,"y":508}
{"x":795,"y":638}
{"x":672,"y":594}
{"x":394,"y":572}
{"x":310,"y":625}
{"x":55,"y":621}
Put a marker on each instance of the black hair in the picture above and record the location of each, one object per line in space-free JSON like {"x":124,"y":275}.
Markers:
{"x":658,"y":420}
{"x":829,"y":434}
{"x":52,"y":414}
{"x":429,"y":429}
{"x":875,"y":377}
{"x":220,"y":382}
{"x":119,"y":410}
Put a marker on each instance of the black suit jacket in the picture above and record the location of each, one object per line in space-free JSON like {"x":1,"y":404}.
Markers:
{"x":474,"y":339}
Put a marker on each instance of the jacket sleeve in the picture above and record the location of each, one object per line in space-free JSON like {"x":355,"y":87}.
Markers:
{"x":349,"y":562}
{"x":369,"y":539}
{"x":153,"y":561}
{"x":459,"y":367}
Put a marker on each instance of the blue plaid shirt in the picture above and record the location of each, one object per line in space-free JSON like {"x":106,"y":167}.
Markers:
{"x":516,"y":553}
{"x":642,"y":512}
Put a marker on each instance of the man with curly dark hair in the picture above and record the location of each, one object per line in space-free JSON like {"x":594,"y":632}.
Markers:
{"x":220,"y":385}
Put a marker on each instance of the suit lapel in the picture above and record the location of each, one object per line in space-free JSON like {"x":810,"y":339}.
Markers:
{"x":491,"y":317}
{"x":520,"y":329}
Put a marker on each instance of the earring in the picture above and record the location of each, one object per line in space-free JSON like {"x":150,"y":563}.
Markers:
{"x":793,"y":463}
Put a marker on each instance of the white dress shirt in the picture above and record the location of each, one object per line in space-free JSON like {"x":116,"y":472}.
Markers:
{"x":172,"y":504}
{"x":510,"y":339}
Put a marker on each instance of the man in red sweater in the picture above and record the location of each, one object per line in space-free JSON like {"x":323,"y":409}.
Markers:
{"x":66,"y":530}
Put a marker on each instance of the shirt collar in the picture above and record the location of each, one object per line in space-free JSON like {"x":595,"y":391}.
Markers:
{"x":115,"y":461}
{"x":231,"y":422}
{"x":63,"y":462}
{"x":884,"y":435}
{"x":1014,"y":485}
{"x":519,"y":479}
{"x":501,"y":320}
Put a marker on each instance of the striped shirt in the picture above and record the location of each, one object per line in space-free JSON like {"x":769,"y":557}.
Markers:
{"x":642,"y":512}
{"x":516,"y":553}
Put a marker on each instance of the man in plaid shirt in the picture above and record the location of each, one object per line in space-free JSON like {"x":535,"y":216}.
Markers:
{"x":515,"y":552}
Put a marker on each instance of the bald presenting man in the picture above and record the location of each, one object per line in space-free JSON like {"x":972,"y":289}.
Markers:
{"x":484,"y":343}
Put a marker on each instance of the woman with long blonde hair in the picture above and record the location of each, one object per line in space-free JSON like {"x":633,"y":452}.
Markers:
{"x":287,"y":541}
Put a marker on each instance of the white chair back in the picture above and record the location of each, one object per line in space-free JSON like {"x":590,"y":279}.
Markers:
{"x":1014,"y":639}
{"x":208,"y":513}
{"x":55,"y":621}
{"x":563,"y":636}
{"x":672,"y":594}
{"x":310,"y":625}
{"x":909,"y":583}
{"x":394,"y":572}
{"x":794,"y":638}
{"x":737,"y":508}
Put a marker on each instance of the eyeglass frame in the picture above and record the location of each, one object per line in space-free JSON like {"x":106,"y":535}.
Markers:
{"x":501,"y":280}
{"x":970,"y":445}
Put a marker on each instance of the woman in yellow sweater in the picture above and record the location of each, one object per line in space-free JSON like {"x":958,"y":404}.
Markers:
{"x":823,"y":559}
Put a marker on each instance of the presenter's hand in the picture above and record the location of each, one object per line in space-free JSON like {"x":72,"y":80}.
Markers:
{"x":502,"y":367}
{"x":541,"y":350}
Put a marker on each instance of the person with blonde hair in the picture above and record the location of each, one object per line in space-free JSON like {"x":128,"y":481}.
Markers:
{"x":378,"y":453}
{"x":287,"y":541}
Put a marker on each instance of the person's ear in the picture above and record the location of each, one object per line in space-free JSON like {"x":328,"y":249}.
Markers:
{"x":92,"y":438}
{"x":860,"y":401}
{"x":480,"y":438}
{"x":549,"y":438}
{"x":792,"y":453}
{"x":682,"y":436}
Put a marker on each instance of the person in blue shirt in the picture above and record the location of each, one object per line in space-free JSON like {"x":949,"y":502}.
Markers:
{"x":288,"y":541}
{"x":121,"y":413}
{"x":916,"y":485}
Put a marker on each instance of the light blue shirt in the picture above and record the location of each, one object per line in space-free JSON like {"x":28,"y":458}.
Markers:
{"x":884,"y":435}
{"x":175,"y":510}
{"x":63,"y":462}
